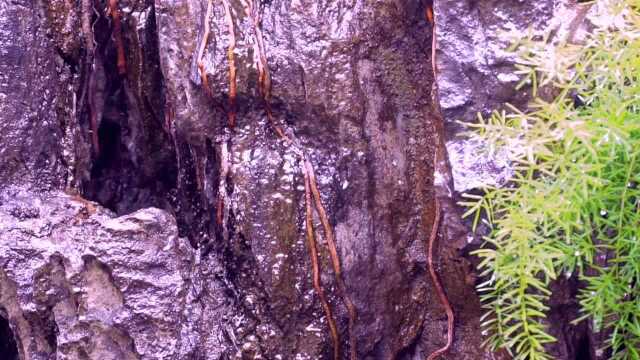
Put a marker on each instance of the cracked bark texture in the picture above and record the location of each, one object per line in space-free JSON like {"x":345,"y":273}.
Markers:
{"x":141,"y":270}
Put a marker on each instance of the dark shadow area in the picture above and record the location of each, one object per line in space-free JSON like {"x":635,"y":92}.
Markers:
{"x":135,"y":166}
{"x":8,"y":346}
{"x":583,"y":351}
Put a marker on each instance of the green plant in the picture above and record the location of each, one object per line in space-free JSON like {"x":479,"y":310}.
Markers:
{"x":574,"y":199}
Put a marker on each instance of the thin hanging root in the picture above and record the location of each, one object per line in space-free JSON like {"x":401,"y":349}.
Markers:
{"x":436,"y":221}
{"x":335,"y":260}
{"x":311,"y":187}
{"x":232,"y":64}
{"x":432,"y":20}
{"x":88,"y":90}
{"x":87,"y":31}
{"x":220,"y":210}
{"x":264,"y":78}
{"x":222,"y":186}
{"x":93,"y":117}
{"x":276,"y":127}
{"x":203,"y":45}
{"x":117,"y":33}
{"x":439,"y":289}
{"x":313,"y":253}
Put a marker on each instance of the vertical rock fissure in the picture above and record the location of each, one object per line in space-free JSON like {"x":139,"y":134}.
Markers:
{"x":133,"y":162}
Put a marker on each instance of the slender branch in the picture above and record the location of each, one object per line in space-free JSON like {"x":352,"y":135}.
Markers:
{"x":313,"y":253}
{"x":439,"y":288}
{"x":232,"y":65}
{"x":335,"y":260}
{"x":203,"y":45}
{"x":117,"y":33}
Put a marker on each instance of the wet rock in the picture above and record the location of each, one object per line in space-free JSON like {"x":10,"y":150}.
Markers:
{"x":351,"y":82}
{"x":475,"y":71}
{"x":476,"y":75}
{"x":62,"y":26}
{"x":76,"y":282}
{"x":36,"y":99}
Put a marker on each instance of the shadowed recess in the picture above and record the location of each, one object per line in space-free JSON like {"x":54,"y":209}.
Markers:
{"x":8,"y":346}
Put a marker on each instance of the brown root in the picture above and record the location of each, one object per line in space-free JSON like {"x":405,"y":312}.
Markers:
{"x":313,"y":253}
{"x":220,"y":210}
{"x":311,"y":188}
{"x":432,"y":20}
{"x":335,"y":259}
{"x":264,"y":78}
{"x":203,"y":45}
{"x":272,"y":121}
{"x":117,"y":34}
{"x":232,"y":64}
{"x":88,"y":88}
{"x":436,"y":221}
{"x":439,"y":288}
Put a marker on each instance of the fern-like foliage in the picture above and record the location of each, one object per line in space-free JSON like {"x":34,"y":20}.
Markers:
{"x":573,"y":203}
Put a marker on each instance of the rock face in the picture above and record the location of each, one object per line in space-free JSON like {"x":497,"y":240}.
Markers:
{"x":351,"y":83}
{"x":192,"y":243}
{"x":475,"y":71}
{"x":35,"y":98}
{"x":476,"y":75}
{"x":77,"y":282}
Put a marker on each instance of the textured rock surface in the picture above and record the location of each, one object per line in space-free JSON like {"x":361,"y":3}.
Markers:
{"x":35,"y":98}
{"x":77,"y":282}
{"x":475,"y":72}
{"x":476,"y":75}
{"x":351,"y":81}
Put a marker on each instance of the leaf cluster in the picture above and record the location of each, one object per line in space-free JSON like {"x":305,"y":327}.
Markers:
{"x":573,"y":203}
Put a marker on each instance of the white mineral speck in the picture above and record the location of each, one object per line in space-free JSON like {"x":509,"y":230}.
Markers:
{"x":312,"y":328}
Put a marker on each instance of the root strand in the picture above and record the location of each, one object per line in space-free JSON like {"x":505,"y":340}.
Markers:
{"x":264,"y":78}
{"x":203,"y":45}
{"x":117,"y":33}
{"x":439,"y":288}
{"x":313,"y":253}
{"x":232,"y":65}
{"x":335,"y":259}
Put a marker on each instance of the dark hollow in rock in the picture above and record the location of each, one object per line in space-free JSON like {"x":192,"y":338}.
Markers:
{"x":8,"y":346}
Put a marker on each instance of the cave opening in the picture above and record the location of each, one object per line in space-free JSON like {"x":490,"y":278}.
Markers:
{"x":8,"y":344}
